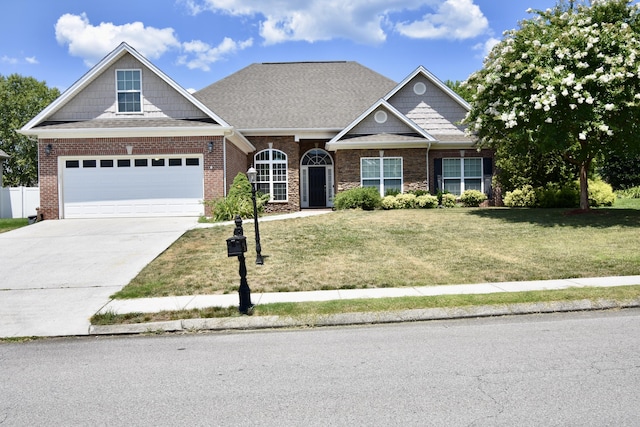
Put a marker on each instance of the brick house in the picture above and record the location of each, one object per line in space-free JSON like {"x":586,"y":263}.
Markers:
{"x":126,"y":140}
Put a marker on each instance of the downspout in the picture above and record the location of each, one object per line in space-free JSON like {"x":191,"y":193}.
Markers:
{"x":224,"y":165}
{"x":428,"y":148}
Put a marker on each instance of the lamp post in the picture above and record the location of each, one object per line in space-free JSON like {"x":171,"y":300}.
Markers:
{"x":252,"y":174}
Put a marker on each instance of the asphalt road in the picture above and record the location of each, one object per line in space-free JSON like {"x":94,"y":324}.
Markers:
{"x":578,"y":369}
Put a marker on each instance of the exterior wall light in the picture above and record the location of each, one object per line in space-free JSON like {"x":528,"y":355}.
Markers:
{"x":210,"y":146}
{"x":48,"y":149}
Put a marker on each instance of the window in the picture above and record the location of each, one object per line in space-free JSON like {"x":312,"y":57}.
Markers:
{"x":384,"y":173}
{"x":88,"y":163}
{"x":175,"y":162}
{"x":129,"y":91}
{"x":459,"y":175}
{"x":72,"y":164}
{"x":157,"y":162}
{"x":140,"y":163}
{"x":272,"y":174}
{"x":192,"y":161}
{"x":106,"y":163}
{"x":124,"y":163}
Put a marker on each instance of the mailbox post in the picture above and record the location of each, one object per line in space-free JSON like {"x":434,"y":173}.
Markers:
{"x":237,"y":246}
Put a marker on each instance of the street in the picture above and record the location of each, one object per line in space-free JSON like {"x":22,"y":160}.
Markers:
{"x":537,"y":370}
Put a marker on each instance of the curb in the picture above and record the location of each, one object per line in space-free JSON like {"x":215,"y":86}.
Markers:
{"x":366,"y":318}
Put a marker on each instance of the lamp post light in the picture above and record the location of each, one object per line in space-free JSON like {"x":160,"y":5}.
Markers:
{"x":252,"y":174}
{"x":237,"y":246}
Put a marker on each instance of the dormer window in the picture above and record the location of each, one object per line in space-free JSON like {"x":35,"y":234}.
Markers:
{"x":129,"y":91}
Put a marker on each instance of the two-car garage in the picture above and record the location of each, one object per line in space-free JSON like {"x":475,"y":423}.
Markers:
{"x":131,"y":186}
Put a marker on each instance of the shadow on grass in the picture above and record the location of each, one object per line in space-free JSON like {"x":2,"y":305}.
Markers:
{"x":597,"y":218}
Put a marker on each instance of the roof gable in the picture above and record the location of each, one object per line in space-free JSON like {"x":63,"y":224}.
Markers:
{"x":93,"y":95}
{"x":381,"y":125}
{"x":430,"y":103}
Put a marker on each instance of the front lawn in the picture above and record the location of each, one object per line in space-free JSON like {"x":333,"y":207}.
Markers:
{"x":8,"y":224}
{"x":359,"y":249}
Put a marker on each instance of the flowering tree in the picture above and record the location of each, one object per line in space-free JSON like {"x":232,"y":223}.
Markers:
{"x":566,"y":81}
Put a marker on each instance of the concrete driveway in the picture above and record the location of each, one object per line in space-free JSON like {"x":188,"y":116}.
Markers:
{"x":54,"y":275}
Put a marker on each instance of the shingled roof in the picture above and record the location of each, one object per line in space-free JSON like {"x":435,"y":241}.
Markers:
{"x":295,"y":95}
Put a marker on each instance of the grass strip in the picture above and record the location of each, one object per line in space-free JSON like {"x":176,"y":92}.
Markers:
{"x":295,"y":310}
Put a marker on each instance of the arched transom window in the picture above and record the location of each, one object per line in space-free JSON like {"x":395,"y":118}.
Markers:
{"x":317,"y":158}
{"x":271,"y":165}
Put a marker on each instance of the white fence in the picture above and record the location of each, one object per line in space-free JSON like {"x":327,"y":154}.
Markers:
{"x":19,"y":202}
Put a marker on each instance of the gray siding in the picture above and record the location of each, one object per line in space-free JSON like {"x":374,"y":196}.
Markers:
{"x":98,"y":99}
{"x":434,"y":110}
{"x":369,"y":126}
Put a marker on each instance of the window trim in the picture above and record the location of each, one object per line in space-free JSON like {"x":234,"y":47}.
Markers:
{"x":118,"y":91}
{"x":381,"y":177}
{"x":461,"y":177}
{"x":270,"y":182}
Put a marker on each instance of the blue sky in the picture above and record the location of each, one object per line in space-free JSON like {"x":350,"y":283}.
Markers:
{"x":197,"y":42}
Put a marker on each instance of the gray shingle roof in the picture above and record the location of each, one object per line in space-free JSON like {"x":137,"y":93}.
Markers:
{"x":298,"y":95}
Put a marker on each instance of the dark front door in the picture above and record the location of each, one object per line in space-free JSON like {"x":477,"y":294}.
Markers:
{"x":317,"y":190}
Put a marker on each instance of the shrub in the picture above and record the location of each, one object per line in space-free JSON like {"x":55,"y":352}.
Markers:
{"x":419,"y":193}
{"x":472,"y":198}
{"x":629,"y":193}
{"x":389,"y":202}
{"x":427,"y":201}
{"x":601,"y":194}
{"x":366,"y":198}
{"x":556,"y":196}
{"x":448,"y":200}
{"x":524,"y":197}
{"x":237,"y":202}
{"x":407,"y":201}
{"x":392,"y":192}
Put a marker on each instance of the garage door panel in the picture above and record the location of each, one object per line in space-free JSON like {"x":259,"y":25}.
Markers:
{"x":133,"y":191}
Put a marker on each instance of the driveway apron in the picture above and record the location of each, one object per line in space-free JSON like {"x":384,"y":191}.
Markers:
{"x":54,"y":275}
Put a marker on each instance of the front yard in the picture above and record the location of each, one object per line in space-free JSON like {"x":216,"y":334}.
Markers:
{"x":359,"y":249}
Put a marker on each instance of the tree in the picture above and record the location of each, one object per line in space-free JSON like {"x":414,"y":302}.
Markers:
{"x":461,"y":89}
{"x":21,"y":99}
{"x":566,"y":81}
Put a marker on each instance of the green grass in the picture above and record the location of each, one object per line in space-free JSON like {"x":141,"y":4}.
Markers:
{"x":8,"y":224}
{"x":310,"y":309}
{"x":358,"y":249}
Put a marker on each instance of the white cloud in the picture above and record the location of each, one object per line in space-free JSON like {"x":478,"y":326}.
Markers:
{"x":32,"y":60}
{"x":204,"y":54}
{"x":485,"y":48}
{"x":92,"y":42}
{"x":363,"y":21}
{"x":454,"y":19}
{"x":9,"y":60}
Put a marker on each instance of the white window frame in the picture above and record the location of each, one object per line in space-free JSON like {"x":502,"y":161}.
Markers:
{"x":267,"y":181}
{"x":126,"y":91}
{"x":381,"y":178}
{"x":462,"y":176}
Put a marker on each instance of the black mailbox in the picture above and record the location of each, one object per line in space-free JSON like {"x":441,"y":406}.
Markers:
{"x":236,"y":246}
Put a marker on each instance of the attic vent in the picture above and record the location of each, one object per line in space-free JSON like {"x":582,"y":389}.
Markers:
{"x":419,"y":88}
{"x":380,"y":116}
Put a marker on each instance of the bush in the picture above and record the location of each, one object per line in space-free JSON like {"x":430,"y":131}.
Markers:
{"x":427,"y":201}
{"x":629,"y":193}
{"x":237,"y":202}
{"x":389,"y":202}
{"x":407,"y":201}
{"x":524,"y":197}
{"x":448,"y":200}
{"x":366,"y":198}
{"x":556,"y":196}
{"x":601,"y":194}
{"x":472,"y":198}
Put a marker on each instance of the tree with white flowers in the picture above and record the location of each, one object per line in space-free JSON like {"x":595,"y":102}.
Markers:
{"x":566,"y":81}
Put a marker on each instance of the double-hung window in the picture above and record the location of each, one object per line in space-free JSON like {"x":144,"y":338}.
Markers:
{"x":129,"y":91}
{"x":383,"y":173}
{"x":272,"y":174}
{"x":463,"y":174}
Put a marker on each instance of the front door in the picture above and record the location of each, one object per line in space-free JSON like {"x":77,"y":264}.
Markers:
{"x":317,"y":186}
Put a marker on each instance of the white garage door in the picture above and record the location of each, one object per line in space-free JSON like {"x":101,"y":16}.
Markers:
{"x":132,"y":186}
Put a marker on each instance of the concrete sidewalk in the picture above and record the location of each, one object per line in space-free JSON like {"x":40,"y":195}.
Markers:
{"x":154,"y":305}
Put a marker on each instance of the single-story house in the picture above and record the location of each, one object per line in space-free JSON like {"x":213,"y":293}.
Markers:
{"x":127,"y":140}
